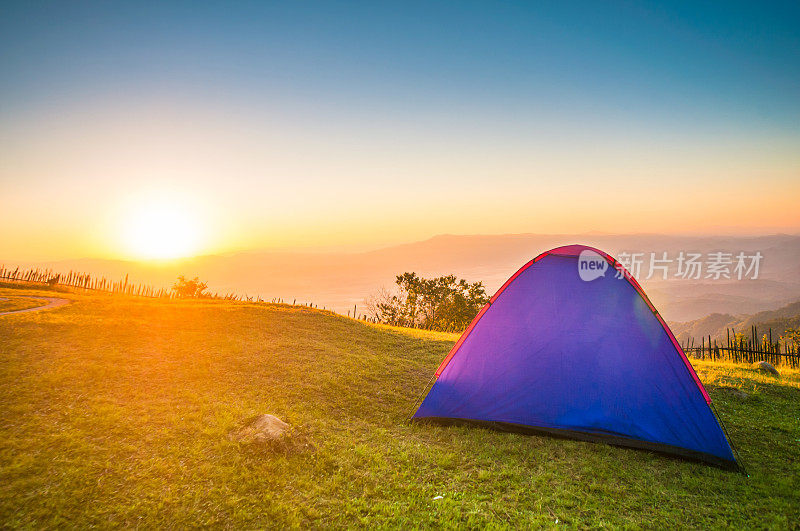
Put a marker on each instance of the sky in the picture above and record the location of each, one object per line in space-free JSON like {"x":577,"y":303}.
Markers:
{"x":210,"y":127}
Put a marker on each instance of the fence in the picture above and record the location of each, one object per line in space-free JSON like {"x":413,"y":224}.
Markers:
{"x":82,"y":281}
{"x":739,"y":348}
{"x":85,"y":282}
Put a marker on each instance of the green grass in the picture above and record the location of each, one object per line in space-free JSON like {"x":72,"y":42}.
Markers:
{"x":115,"y":412}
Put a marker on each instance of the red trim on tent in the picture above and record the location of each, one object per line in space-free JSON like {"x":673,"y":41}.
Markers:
{"x":575,"y":250}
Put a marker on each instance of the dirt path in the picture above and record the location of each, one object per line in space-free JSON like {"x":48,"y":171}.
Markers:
{"x":52,"y":302}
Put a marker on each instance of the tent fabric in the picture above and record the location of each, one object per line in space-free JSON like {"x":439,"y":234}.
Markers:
{"x":592,"y":360}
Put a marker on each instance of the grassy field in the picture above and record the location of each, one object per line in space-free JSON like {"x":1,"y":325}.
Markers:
{"x":116,"y":411}
{"x":14,"y":303}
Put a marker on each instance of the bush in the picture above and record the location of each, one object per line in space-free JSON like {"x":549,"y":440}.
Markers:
{"x":445,"y":303}
{"x":189,"y":289}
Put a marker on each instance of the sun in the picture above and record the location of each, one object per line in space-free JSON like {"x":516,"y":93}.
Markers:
{"x":162,"y":230}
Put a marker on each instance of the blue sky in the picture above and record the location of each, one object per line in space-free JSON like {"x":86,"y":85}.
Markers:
{"x":732,"y":61}
{"x":383,"y":94}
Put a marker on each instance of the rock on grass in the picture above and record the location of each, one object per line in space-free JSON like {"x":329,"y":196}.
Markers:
{"x":262,"y":429}
{"x":269,"y":432}
{"x":763,"y":366}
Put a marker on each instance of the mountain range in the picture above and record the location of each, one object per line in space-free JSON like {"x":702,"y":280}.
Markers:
{"x":339,"y":280}
{"x":717,"y":325}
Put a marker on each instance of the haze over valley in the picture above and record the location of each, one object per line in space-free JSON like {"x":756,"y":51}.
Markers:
{"x":338,"y":280}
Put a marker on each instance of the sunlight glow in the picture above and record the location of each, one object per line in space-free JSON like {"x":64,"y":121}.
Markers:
{"x":161,"y":230}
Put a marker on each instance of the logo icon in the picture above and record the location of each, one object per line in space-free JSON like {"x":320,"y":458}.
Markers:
{"x":591,"y":265}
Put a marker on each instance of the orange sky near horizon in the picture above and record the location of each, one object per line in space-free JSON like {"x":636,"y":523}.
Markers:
{"x":244,"y":187}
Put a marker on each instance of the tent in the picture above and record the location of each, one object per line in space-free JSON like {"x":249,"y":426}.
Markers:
{"x":571,"y":346}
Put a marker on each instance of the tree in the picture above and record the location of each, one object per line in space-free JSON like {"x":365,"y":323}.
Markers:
{"x":444,"y":303}
{"x":189,"y":289}
{"x":792,"y":335}
{"x":380,"y":305}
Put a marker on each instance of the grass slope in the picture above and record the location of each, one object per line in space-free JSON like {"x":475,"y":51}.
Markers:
{"x":12,"y":304}
{"x":116,"y":411}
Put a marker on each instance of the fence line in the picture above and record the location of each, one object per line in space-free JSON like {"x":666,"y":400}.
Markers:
{"x":82,"y":281}
{"x":739,"y":348}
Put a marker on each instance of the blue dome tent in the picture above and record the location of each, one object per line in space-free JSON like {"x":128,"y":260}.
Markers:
{"x":571,"y":346}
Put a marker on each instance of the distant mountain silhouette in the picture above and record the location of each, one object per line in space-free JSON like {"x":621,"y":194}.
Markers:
{"x":340,"y":279}
{"x":715,"y":325}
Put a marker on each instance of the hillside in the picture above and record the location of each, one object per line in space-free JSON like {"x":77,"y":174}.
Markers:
{"x":116,"y":412}
{"x":715,"y":325}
